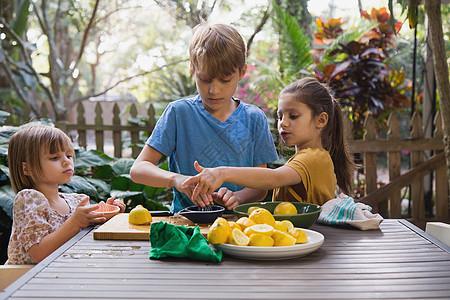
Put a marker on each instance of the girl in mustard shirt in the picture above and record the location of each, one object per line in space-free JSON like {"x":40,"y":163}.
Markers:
{"x":310,"y":119}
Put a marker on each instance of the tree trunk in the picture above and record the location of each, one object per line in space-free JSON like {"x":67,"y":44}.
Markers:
{"x":433,"y":11}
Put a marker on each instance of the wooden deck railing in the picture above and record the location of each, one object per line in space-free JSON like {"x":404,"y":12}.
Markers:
{"x":388,"y":198}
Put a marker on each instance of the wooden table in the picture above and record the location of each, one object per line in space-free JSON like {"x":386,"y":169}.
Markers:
{"x":398,"y":261}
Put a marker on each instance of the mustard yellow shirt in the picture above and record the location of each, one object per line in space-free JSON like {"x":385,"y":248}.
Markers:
{"x":315,"y":167}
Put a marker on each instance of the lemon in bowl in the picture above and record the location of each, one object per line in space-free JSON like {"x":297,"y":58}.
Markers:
{"x":306,"y":215}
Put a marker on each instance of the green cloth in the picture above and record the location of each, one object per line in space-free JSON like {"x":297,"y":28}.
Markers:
{"x":168,"y":240}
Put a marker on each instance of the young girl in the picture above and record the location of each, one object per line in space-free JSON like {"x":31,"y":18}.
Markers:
{"x":41,"y":158}
{"x":309,"y":119}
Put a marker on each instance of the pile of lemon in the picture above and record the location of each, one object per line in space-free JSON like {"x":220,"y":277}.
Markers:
{"x":258,"y":229}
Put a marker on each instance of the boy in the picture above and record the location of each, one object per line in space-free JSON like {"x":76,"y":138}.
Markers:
{"x":213,"y":128}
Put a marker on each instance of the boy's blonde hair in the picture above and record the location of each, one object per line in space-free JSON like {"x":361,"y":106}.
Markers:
{"x":217,"y":50}
{"x":27,"y":146}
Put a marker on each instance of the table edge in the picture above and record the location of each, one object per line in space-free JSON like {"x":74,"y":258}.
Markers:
{"x":16,"y":285}
{"x":425,"y":235}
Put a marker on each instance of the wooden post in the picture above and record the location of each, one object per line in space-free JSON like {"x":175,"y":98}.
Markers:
{"x":370,"y":158}
{"x":117,"y":134}
{"x":134,"y":134}
{"x":81,"y":120}
{"x":417,"y":196}
{"x":394,"y":164}
{"x":99,"y":133}
{"x":442,"y":200}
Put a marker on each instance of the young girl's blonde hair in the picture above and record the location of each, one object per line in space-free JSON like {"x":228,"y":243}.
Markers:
{"x":319,"y":98}
{"x":27,"y":146}
{"x":217,"y":50}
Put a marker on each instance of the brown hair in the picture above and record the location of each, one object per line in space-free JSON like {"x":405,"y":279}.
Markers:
{"x":217,"y":49}
{"x":27,"y":146}
{"x":319,"y":97}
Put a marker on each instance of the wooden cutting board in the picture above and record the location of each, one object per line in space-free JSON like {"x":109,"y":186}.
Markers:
{"x":118,"y":228}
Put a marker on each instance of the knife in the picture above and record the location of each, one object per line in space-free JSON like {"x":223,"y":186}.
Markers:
{"x":161,"y":213}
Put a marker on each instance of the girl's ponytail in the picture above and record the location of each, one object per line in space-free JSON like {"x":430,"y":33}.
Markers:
{"x":336,"y":144}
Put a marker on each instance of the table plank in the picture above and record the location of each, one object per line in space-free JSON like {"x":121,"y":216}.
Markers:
{"x":395,"y":262}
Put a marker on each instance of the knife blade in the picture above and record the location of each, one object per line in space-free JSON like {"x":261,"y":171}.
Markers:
{"x":161,"y":213}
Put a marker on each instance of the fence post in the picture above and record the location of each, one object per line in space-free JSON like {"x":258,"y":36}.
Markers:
{"x":99,"y":133}
{"x":117,"y":134}
{"x":81,"y":120}
{"x":442,"y":201}
{"x":417,"y":196}
{"x":134,"y":134}
{"x":394,"y":164}
{"x":370,"y":158}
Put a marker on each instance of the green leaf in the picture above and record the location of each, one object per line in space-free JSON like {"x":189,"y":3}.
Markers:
{"x":103,"y":188}
{"x":91,"y":158}
{"x":151,"y":192}
{"x":7,"y":196}
{"x":79,"y":185}
{"x":103,"y":172}
{"x":120,"y":183}
{"x":122,"y":165}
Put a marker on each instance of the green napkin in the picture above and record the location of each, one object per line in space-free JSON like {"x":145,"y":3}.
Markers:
{"x":168,"y":240}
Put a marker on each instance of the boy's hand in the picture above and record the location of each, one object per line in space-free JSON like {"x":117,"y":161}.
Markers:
{"x":226,"y":197}
{"x":85,"y":215}
{"x":201,"y":200}
{"x":207,"y":181}
{"x":118,"y":202}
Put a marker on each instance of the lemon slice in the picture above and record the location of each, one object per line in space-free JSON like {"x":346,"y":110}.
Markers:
{"x":299,"y":235}
{"x":260,"y":240}
{"x":282,"y":239}
{"x":237,"y":237}
{"x":262,"y":216}
{"x":259,"y":228}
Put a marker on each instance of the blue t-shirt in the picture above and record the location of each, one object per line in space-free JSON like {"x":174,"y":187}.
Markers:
{"x":187,"y":132}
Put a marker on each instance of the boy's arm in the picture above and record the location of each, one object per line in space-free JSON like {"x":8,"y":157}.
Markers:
{"x":145,"y":171}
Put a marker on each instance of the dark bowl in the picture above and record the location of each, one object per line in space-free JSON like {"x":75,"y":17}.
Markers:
{"x":307,"y":212}
{"x":197,"y":215}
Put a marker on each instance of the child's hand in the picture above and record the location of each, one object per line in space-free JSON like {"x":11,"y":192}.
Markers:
{"x":85,"y":215}
{"x":226,"y":197}
{"x":200,"y":199}
{"x":207,"y":181}
{"x":118,"y":202}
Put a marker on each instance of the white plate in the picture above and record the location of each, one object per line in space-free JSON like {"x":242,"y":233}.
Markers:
{"x":315,"y":240}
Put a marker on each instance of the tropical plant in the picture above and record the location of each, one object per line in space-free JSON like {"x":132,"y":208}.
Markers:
{"x":357,"y":70}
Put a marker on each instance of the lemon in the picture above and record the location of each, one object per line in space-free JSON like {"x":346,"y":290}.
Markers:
{"x":281,"y":226}
{"x":299,"y":235}
{"x":245,"y":222}
{"x":259,"y":228}
{"x":285,"y":208}
{"x":222,"y":221}
{"x":218,"y":233}
{"x":260,"y":240}
{"x":282,"y":239}
{"x":251,"y":209}
{"x":235,"y":225}
{"x":262,"y":216}
{"x":139,"y":215}
{"x":288,"y":224}
{"x":237,"y":237}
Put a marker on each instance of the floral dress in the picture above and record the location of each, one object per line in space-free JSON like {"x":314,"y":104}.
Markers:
{"x":33,"y":218}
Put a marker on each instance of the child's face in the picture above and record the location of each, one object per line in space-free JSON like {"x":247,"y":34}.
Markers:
{"x":57,"y":168}
{"x":296,"y":124}
{"x":216,"y":92}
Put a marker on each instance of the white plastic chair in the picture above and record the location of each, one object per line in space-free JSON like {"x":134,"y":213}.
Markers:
{"x":439,"y":230}
{"x":10,"y":273}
